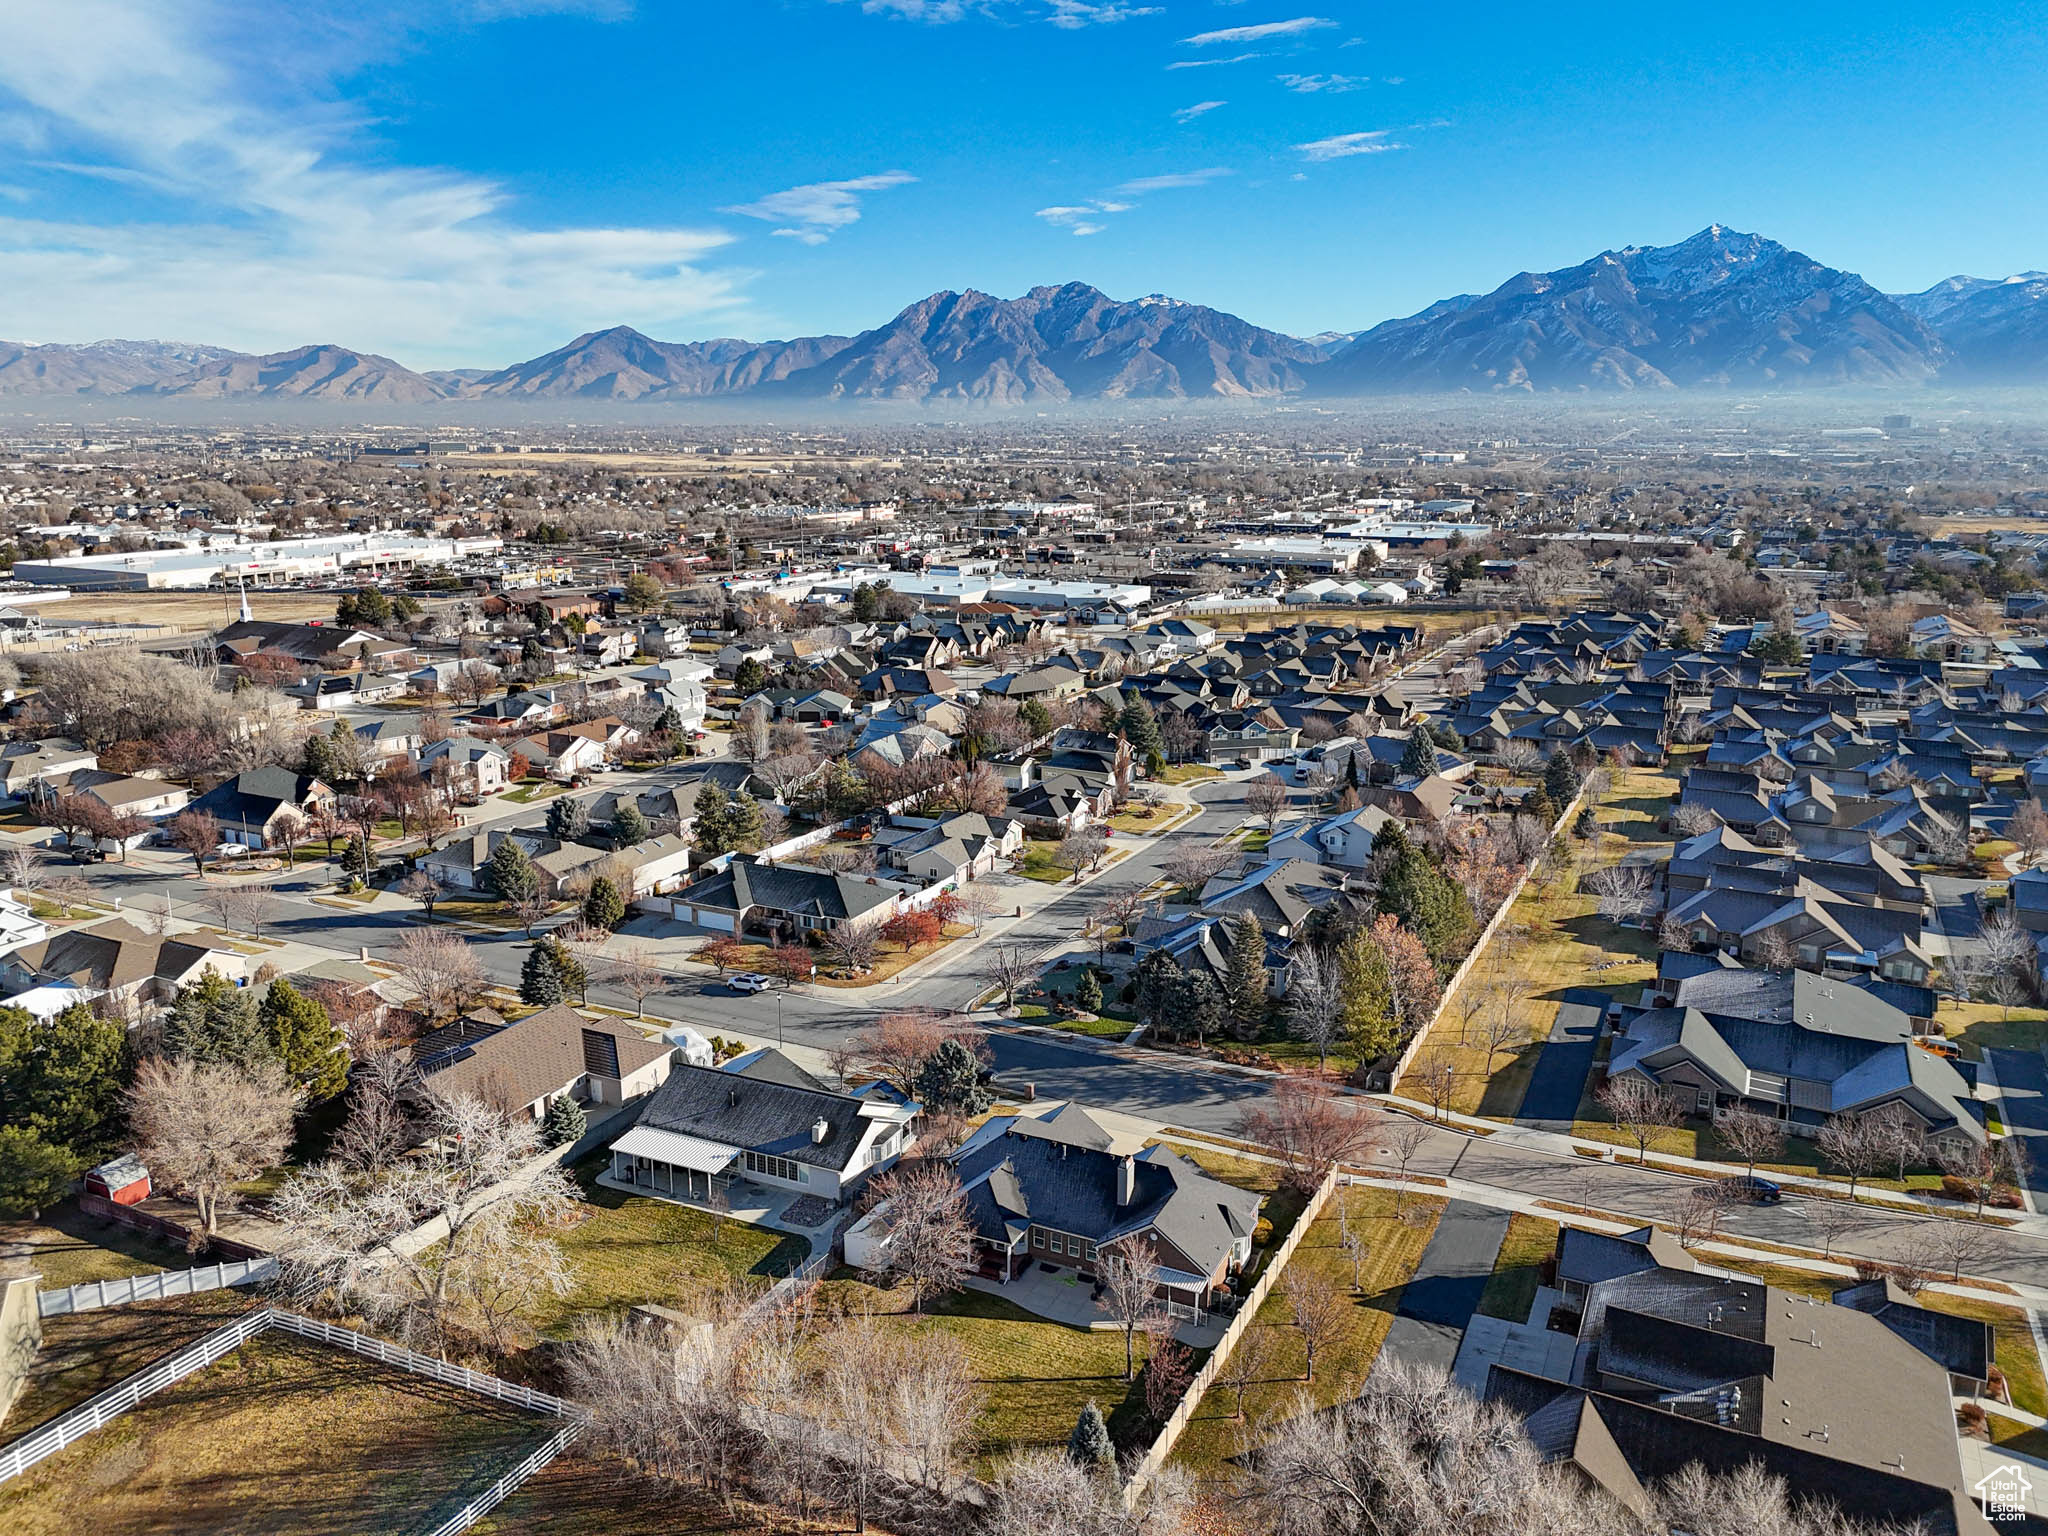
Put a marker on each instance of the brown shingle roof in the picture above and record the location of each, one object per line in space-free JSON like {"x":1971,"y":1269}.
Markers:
{"x":540,"y":1055}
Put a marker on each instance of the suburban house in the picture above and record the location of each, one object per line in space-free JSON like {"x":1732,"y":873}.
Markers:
{"x":120,"y":793}
{"x":119,"y":962}
{"x":1053,"y":1191}
{"x":1343,"y":841}
{"x":962,"y":846}
{"x":316,"y":647}
{"x":565,"y":754}
{"x":473,"y":768}
{"x":1650,"y":1365}
{"x":248,"y":805}
{"x":785,"y":900}
{"x":706,"y":1128}
{"x":23,"y":763}
{"x":555,"y":1053}
{"x":1825,"y":1049}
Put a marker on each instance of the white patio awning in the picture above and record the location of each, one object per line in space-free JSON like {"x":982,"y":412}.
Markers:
{"x":676,"y":1149}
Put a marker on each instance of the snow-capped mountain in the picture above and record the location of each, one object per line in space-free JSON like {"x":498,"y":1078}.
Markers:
{"x":1996,"y":329}
{"x":1721,"y":309}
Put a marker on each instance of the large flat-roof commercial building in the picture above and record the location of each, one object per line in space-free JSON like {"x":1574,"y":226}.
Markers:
{"x":259,"y":565}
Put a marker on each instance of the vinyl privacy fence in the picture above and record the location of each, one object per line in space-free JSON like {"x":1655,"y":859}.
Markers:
{"x":1177,"y":1422}
{"x":95,"y":1294}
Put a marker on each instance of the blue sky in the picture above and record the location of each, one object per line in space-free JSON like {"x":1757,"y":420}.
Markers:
{"x":474,"y":181}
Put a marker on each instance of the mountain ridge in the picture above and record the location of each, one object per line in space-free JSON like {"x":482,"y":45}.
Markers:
{"x":1721,"y":309}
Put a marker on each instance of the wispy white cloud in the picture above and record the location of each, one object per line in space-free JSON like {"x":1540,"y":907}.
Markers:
{"x":1342,"y":146}
{"x":1258,"y":33}
{"x":812,"y":214}
{"x":1082,"y":218}
{"x":1189,"y":114}
{"x":1332,"y":85}
{"x":1070,"y":15}
{"x":1236,"y":58}
{"x":266,"y":225}
{"x":1166,"y":183}
{"x":1075,"y":14}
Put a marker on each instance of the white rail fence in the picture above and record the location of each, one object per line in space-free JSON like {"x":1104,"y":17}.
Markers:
{"x":496,"y":1494}
{"x":788,"y":1285}
{"x":109,"y":1405}
{"x":94,"y":1294}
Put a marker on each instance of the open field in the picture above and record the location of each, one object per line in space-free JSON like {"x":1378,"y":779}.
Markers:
{"x":87,"y":1352}
{"x":1216,"y":1433}
{"x":281,"y":1437}
{"x":191,"y":610}
{"x":1554,"y":938}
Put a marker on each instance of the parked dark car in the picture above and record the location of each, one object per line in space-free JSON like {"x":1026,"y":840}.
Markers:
{"x":1752,"y":1190}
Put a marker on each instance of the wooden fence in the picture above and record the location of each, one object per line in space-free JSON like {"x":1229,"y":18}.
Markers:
{"x":1464,"y":970}
{"x":1177,"y":1422}
{"x":160,"y":1226}
{"x":117,"y":1400}
{"x":94,"y":1294}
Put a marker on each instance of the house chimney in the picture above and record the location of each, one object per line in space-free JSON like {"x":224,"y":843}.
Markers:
{"x":820,"y":1129}
{"x":1126,"y":1180}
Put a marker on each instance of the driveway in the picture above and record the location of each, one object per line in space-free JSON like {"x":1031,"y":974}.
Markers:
{"x":1552,"y":1099}
{"x":1438,"y":1303}
{"x":2023,"y":1106}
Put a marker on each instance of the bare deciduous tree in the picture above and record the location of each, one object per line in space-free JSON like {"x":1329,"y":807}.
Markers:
{"x":1193,"y":865}
{"x":634,"y":972}
{"x":1625,"y":891}
{"x":1319,"y":1308}
{"x":1266,"y":800}
{"x":1315,"y":1000}
{"x":1751,"y":1137}
{"x":204,"y":1128}
{"x":1010,"y":968}
{"x":1130,"y":1285}
{"x":1435,"y":1077}
{"x":442,"y":970}
{"x":927,"y":1238}
{"x":1640,"y":1108}
{"x":422,"y":887}
{"x":894,"y":1047}
{"x":1311,"y":1126}
{"x":472,"y":1178}
{"x":1246,"y":1364}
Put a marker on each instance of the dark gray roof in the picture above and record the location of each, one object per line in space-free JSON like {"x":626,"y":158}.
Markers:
{"x":758,"y":1114}
{"x":747,"y":882}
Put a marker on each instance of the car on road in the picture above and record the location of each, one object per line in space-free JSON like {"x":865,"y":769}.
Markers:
{"x":749,"y":981}
{"x":1751,"y":1190}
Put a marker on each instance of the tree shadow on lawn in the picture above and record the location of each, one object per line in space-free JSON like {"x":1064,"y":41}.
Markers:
{"x":1654,"y":807}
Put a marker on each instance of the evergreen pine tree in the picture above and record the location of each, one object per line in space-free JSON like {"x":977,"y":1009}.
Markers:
{"x":1560,"y":778}
{"x":604,"y":907}
{"x":64,"y":1079}
{"x":215,"y":1021}
{"x":356,"y":862}
{"x":1429,"y":904}
{"x":1418,"y":760}
{"x":1088,"y":992}
{"x":1159,"y":975}
{"x":1351,"y":771}
{"x":949,"y":1081}
{"x":669,"y":722}
{"x":744,"y":822}
{"x":563,"y":1122}
{"x":539,"y":982}
{"x":319,"y":760}
{"x":628,"y":825}
{"x":575,"y":975}
{"x":1244,"y":984}
{"x":750,"y":679}
{"x":1089,"y":1446}
{"x":33,"y":1173}
{"x":568,"y":818}
{"x":1538,"y":805}
{"x":1367,"y":996}
{"x":1197,"y":1006}
{"x":1036,"y":717}
{"x":511,"y":873}
{"x":305,"y":1041}
{"x":1139,"y":728}
{"x":712,"y":829}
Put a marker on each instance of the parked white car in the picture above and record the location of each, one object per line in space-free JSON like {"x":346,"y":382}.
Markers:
{"x":749,"y":981}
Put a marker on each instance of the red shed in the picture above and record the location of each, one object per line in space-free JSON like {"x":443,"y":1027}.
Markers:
{"x":125,"y":1180}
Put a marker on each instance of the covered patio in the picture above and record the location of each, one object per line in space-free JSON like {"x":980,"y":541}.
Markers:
{"x":691,"y":1171}
{"x":1067,"y":1296}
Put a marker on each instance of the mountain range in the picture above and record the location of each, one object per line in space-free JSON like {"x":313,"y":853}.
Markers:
{"x":1721,"y":310}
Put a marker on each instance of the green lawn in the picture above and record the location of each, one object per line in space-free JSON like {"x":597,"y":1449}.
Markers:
{"x":526,"y":794}
{"x":627,"y":1249}
{"x":1697,"y":1137}
{"x":1189,"y":773}
{"x":1511,"y":1288}
{"x":1975,"y":1026}
{"x":1034,"y":1376}
{"x":1039,"y":856}
{"x":1215,"y":1433}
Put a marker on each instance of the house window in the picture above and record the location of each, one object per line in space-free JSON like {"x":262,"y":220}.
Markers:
{"x":777,"y":1168}
{"x":1091,"y":1253}
{"x":1037,"y":1238}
